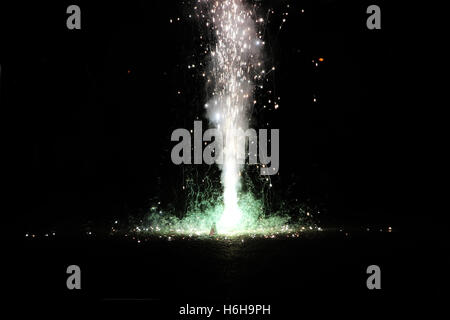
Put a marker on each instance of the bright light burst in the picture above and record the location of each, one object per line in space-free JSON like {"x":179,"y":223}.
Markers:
{"x":206,"y":207}
{"x":232,"y":45}
{"x":198,"y":221}
{"x":233,"y":63}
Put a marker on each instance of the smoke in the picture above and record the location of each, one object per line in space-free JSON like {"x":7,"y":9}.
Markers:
{"x":234,"y":64}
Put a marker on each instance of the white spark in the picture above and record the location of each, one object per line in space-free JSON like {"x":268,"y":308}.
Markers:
{"x":236,"y":52}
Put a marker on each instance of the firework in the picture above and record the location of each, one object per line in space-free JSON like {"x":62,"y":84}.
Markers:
{"x":230,"y":64}
{"x":234,"y":61}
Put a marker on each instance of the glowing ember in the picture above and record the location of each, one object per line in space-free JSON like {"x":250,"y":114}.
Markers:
{"x":233,"y":65}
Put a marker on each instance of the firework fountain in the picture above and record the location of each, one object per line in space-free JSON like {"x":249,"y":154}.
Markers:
{"x":232,"y":45}
{"x":233,"y":50}
{"x":233,"y":61}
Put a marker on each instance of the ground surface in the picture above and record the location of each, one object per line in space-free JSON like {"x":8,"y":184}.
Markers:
{"x":291,"y":274}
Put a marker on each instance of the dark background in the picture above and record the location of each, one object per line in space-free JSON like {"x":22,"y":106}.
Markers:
{"x":89,"y":114}
{"x":95,"y":108}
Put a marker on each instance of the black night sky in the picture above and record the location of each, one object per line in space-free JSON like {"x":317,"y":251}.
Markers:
{"x":93,"y":110}
{"x":97,"y":108}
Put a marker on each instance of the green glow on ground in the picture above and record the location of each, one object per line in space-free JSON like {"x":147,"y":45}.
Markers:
{"x":201,"y":217}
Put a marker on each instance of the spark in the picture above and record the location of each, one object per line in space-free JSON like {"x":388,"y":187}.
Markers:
{"x":236,"y":52}
{"x":232,"y":69}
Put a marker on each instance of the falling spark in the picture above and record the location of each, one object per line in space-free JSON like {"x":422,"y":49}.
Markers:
{"x":233,"y":64}
{"x":233,"y":72}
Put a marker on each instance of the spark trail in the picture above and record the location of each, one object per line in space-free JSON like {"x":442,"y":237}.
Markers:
{"x":232,"y":46}
{"x":234,"y":60}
